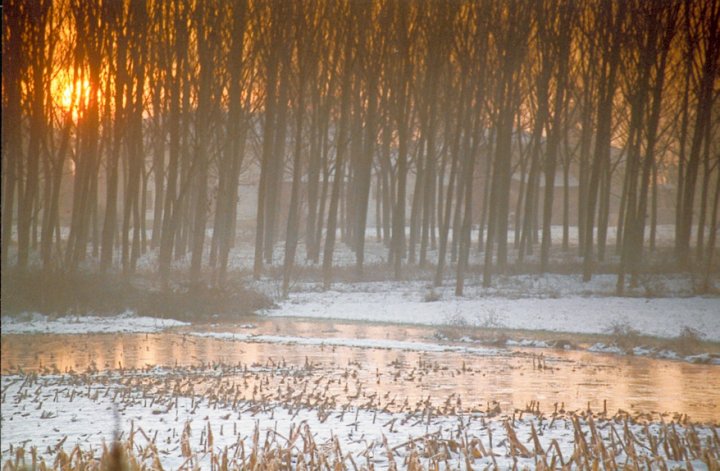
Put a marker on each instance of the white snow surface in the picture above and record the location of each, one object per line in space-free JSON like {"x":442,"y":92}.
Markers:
{"x":385,"y":344}
{"x":416,"y":303}
{"x":127,"y":322}
{"x":241,"y":256}
{"x":54,"y":412}
{"x":557,"y":303}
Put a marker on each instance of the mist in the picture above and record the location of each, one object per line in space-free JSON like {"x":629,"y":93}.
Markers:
{"x":484,"y":187}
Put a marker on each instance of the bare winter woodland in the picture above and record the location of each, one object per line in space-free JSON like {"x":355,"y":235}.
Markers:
{"x":360,"y":234}
{"x":453,"y":126}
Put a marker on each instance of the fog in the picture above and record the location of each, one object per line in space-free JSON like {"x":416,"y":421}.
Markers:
{"x":418,"y":197}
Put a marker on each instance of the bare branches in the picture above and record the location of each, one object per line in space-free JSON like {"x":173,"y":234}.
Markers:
{"x":436,"y":118}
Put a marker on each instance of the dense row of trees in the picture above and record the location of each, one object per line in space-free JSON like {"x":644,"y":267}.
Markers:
{"x":423,"y":104}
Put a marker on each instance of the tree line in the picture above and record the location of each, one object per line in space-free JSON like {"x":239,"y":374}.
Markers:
{"x":424,"y":105}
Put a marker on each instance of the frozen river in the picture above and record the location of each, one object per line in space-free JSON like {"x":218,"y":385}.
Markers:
{"x":394,"y":362}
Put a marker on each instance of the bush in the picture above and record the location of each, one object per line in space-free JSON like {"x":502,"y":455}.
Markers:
{"x":624,"y":336}
{"x":688,"y":340}
{"x":82,"y":293}
{"x":431,"y":296}
{"x":491,"y":319}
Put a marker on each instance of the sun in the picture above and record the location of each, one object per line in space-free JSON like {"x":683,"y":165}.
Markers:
{"x":74,"y":94}
{"x":67,"y":99}
{"x":69,"y":94}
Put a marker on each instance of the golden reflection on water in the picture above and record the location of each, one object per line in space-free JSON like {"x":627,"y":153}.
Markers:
{"x":573,"y":378}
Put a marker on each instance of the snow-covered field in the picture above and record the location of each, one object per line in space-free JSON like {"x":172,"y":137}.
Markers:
{"x":194,"y":416}
{"x":128,"y":322}
{"x":416,"y":303}
{"x":549,"y":303}
{"x":661,"y":305}
{"x":376,"y":253}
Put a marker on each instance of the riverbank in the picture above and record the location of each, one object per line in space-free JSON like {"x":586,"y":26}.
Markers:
{"x":660,"y":318}
{"x":528,"y":306}
{"x":690,"y":346}
{"x":58,"y":294}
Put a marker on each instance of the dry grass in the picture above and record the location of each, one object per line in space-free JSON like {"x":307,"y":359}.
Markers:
{"x":617,"y":448}
{"x":624,"y":336}
{"x":688,"y":341}
{"x":601,"y":440}
{"x":80,"y":293}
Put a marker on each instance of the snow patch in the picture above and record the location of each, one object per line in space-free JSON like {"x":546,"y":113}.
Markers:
{"x":528,"y":343}
{"x":353,"y":343}
{"x":603,"y":348}
{"x":51,"y":413}
{"x":127,"y":322}
{"x":401,"y":303}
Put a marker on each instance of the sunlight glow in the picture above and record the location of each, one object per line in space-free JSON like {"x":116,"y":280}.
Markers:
{"x":71,"y":95}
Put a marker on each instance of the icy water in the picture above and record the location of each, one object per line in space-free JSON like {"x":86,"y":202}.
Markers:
{"x":392,"y":362}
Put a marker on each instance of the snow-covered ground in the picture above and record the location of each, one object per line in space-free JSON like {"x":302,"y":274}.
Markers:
{"x":167,"y":406}
{"x":241,"y":257}
{"x":416,"y":303}
{"x":464,"y":345}
{"x":551,"y":303}
{"x":388,"y":344}
{"x":124,"y":323}
{"x":174,"y":416}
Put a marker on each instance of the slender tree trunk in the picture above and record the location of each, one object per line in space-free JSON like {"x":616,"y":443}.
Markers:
{"x":339,"y":175}
{"x":708,"y":78}
{"x":315,"y":157}
{"x":465,"y":239}
{"x":445,"y":222}
{"x":14,"y":68}
{"x":600,"y":163}
{"x":704,"y":189}
{"x":39,"y":17}
{"x":173,"y":197}
{"x":267,"y":150}
{"x":291,"y":238}
{"x":365,"y":176}
{"x":553,"y":143}
{"x":158,"y":164}
{"x":712,"y":237}
{"x":276,"y":173}
{"x":445,"y":219}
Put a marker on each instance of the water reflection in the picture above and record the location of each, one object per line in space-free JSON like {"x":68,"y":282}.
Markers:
{"x":573,"y":378}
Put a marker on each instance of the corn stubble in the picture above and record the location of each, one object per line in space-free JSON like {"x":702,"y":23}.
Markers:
{"x":600,"y":440}
{"x":617,"y":450}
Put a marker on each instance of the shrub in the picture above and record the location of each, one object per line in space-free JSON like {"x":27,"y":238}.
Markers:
{"x":431,"y":296}
{"x":688,"y":341}
{"x":623,"y":335}
{"x":83,"y":293}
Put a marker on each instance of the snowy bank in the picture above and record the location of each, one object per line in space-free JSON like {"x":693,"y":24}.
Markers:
{"x":385,"y":344}
{"x":127,"y":322}
{"x":415,"y":303}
